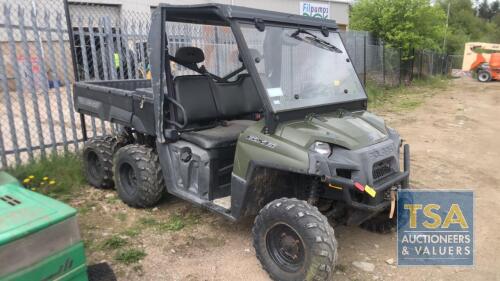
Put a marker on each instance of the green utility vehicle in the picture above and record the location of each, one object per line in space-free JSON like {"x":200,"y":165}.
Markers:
{"x":39,"y":236}
{"x":254,"y":113}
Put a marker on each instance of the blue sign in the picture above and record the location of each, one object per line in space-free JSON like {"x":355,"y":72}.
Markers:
{"x":435,"y":227}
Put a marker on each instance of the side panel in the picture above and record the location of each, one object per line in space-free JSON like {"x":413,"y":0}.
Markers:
{"x":269,"y":150}
{"x":202,"y":173}
{"x":118,"y":102}
{"x":68,"y":264}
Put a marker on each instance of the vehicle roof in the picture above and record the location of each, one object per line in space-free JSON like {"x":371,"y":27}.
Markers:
{"x":219,"y":14}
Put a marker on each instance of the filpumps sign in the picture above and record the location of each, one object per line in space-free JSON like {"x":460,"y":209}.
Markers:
{"x":315,"y":9}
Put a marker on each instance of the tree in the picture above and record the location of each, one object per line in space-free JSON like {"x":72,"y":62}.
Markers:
{"x":495,"y":8}
{"x":467,"y":25}
{"x":401,"y":23}
{"x":496,"y":20}
{"x":488,"y":11}
{"x":483,"y":10}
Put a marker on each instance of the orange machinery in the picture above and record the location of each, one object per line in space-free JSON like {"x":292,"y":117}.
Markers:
{"x":483,"y":59}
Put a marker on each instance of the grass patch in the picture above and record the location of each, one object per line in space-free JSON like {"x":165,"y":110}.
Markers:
{"x":111,"y":200}
{"x":404,"y":98}
{"x":86,"y":207}
{"x":148,"y":222}
{"x":175,"y":223}
{"x":113,"y":243}
{"x":84,"y":210}
{"x":132,"y":232}
{"x":130,"y":256}
{"x":57,"y":176}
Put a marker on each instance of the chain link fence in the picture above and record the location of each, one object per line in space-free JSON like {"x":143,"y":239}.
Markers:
{"x":421,"y":64}
{"x":373,"y":60}
{"x":37,"y":117}
{"x":36,"y":112}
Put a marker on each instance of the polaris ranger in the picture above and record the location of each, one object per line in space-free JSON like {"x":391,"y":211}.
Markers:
{"x":270,"y":120}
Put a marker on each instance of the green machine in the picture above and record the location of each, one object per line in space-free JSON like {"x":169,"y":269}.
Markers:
{"x":39,"y":236}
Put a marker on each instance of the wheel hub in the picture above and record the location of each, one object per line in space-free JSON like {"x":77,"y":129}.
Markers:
{"x":128,"y":178}
{"x":95,"y":167}
{"x":289,"y":246}
{"x":285,"y":247}
{"x":483,"y":77}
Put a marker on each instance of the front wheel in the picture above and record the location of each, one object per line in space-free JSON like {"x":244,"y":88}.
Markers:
{"x":483,"y":76}
{"x":293,"y":241}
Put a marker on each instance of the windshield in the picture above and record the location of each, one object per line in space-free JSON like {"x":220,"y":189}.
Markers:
{"x":302,"y":68}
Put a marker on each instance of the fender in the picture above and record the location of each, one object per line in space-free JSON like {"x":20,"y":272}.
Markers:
{"x":244,"y":197}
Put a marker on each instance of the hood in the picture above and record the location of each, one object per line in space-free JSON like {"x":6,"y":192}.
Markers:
{"x":23,"y":212}
{"x":352,"y":130}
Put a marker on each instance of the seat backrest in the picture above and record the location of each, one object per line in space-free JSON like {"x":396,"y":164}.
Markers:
{"x":238,"y":98}
{"x":194,"y":93}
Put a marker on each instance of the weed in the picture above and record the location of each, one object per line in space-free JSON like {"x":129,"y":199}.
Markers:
{"x":86,"y":207}
{"x":404,"y":98}
{"x":84,"y":210}
{"x":439,"y":82}
{"x":192,"y":218}
{"x":175,"y":223}
{"x":58,"y":176}
{"x":111,"y":200}
{"x":132,"y":232}
{"x":148,"y":222}
{"x":410,"y":104}
{"x":130,"y":256}
{"x":114,"y":242}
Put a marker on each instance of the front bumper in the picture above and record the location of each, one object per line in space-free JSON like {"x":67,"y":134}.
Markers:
{"x":398,"y":178}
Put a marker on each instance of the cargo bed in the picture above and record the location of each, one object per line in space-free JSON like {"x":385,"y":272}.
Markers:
{"x":125,"y":102}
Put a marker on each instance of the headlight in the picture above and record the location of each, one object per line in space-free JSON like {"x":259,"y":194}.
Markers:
{"x":322,"y":148}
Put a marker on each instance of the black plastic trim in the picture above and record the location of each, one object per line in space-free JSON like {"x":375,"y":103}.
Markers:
{"x":348,"y":184}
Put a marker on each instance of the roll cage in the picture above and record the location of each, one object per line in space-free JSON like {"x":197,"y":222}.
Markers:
{"x":231,"y":16}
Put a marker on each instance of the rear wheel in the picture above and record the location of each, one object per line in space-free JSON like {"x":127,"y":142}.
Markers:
{"x":293,"y":241}
{"x":98,"y":161}
{"x":483,"y":76}
{"x":138,"y":176}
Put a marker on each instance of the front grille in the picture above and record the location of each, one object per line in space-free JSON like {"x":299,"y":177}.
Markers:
{"x":382,"y":169}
